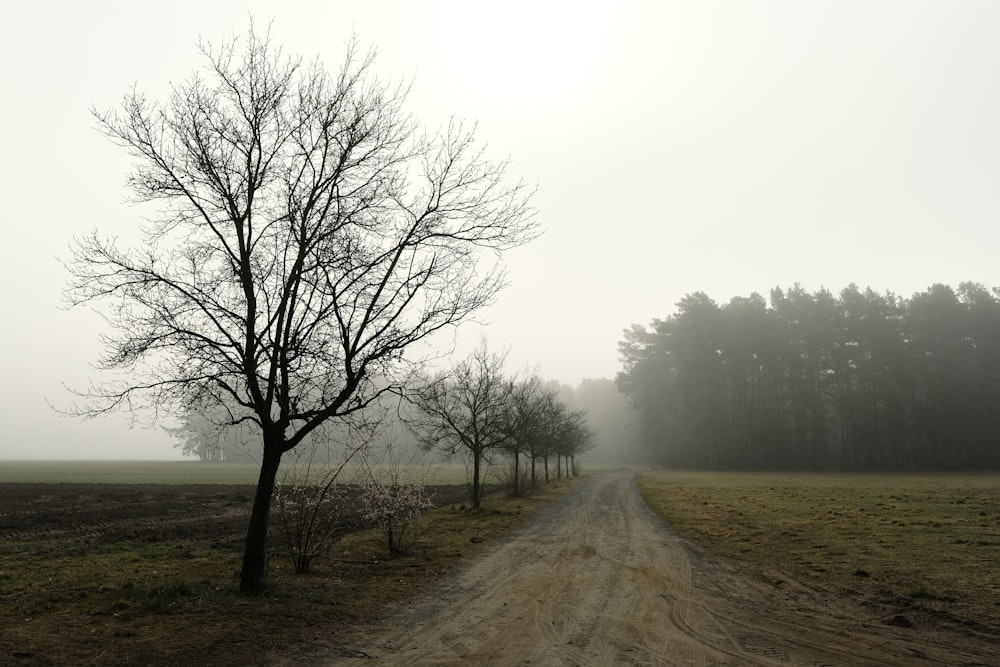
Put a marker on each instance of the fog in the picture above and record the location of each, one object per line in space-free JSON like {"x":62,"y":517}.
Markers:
{"x":678,"y":147}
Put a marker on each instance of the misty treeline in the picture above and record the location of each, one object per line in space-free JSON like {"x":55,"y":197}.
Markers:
{"x":213,"y":438}
{"x":514,"y":430}
{"x":857,"y":381}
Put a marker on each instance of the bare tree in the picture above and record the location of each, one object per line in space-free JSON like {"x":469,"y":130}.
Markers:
{"x":549,"y":415}
{"x":466,"y":411}
{"x":525,"y":412}
{"x":573,"y":436}
{"x":309,"y":233}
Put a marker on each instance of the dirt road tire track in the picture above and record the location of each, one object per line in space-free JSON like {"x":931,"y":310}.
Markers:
{"x":597,"y":579}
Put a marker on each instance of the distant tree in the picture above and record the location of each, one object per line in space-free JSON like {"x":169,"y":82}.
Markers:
{"x":310,"y":233}
{"x":523,"y":423}
{"x":573,"y":437}
{"x":466,"y":411}
{"x":648,"y":381}
{"x":547,"y":439}
{"x":615,"y":424}
{"x":215,"y":439}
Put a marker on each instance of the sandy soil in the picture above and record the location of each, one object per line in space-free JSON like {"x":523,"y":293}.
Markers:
{"x":598,"y":579}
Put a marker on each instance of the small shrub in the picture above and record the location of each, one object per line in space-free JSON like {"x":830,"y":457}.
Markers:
{"x":394,"y":498}
{"x":309,"y":519}
{"x":396,"y":508}
{"x":312,"y":507}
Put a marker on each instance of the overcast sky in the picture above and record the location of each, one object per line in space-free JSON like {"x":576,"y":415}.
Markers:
{"x":724,"y":147}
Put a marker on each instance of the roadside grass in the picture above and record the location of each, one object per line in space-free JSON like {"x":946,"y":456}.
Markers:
{"x":84,"y":601}
{"x":928,"y":542}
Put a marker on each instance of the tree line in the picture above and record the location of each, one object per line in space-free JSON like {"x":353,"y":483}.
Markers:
{"x":212,"y":438}
{"x":858,"y":381}
{"x":479,"y":412}
{"x":476,"y":412}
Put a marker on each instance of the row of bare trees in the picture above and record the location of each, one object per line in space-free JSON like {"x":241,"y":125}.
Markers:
{"x":354,"y":473}
{"x":363,"y":472}
{"x":478,"y":411}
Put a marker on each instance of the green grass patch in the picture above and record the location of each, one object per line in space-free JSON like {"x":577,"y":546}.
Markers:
{"x":182,"y":472}
{"x":128,"y":472}
{"x":932,"y":539}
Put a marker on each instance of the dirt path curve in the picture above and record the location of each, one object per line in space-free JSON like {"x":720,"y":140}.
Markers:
{"x":597,"y":579}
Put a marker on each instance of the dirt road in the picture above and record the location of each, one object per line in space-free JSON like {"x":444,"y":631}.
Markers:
{"x":598,"y":579}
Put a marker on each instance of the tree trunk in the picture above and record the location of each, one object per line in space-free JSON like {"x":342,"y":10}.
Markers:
{"x":476,"y":491}
{"x":517,"y":472}
{"x":254,"y":573}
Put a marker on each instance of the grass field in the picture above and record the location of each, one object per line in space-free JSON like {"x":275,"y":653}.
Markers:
{"x":926,"y":541}
{"x":163,"y":472}
{"x":127,"y":472}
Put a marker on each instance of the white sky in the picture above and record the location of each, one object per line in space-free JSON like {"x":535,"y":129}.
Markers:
{"x":726,"y":147}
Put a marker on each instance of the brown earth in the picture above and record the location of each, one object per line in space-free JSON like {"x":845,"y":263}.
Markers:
{"x":147,"y":512}
{"x":116,"y":512}
{"x":596,"y":578}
